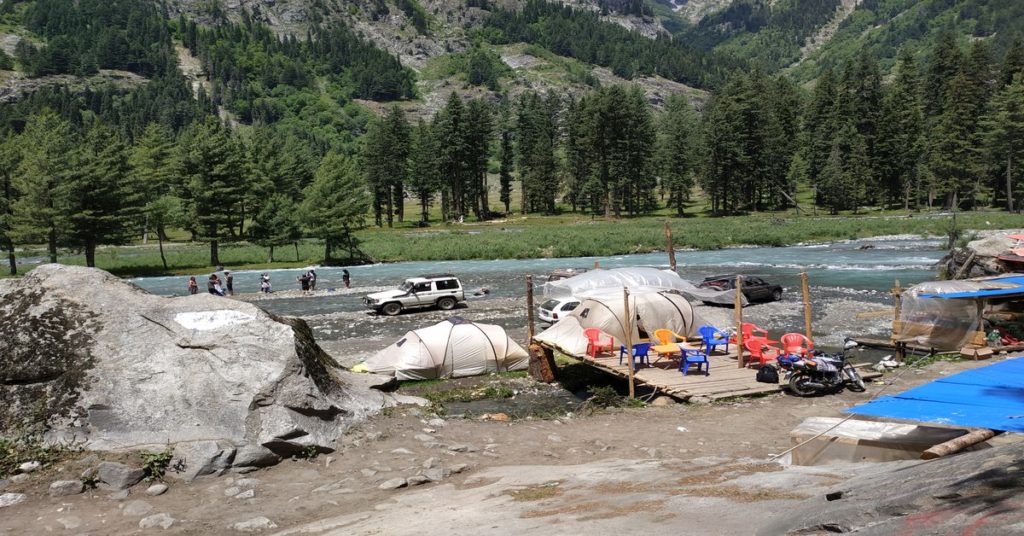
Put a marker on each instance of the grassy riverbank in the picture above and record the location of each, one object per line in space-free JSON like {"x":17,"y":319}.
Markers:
{"x":552,"y":236}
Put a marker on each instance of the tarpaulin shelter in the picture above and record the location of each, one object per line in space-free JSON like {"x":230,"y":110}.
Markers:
{"x":452,"y":348}
{"x":636,"y":279}
{"x":947,"y":315}
{"x":651,"y":310}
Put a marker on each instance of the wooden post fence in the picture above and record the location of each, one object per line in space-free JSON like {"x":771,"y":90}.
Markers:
{"x":629,"y":341}
{"x":738,"y":305}
{"x":669,"y":247}
{"x":529,"y":309}
{"x":805,"y":289}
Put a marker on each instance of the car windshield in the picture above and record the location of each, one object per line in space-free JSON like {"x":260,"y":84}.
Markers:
{"x":406,"y":287}
{"x":549,"y":305}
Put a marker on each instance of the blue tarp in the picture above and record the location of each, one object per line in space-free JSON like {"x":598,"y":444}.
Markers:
{"x":987,"y":397}
{"x":1016,"y":290}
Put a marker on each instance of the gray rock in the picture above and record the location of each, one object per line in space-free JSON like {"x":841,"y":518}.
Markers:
{"x":20,"y":478}
{"x":136,"y":508}
{"x":394,"y":483}
{"x":429,"y":463}
{"x":118,"y":495}
{"x":156,"y":489}
{"x":329,"y":487}
{"x":436,"y":474}
{"x":247,"y":494}
{"x":11,"y":499}
{"x":401,"y":451}
{"x":247,"y":482}
{"x":436,"y":423}
{"x":458,"y":468}
{"x":201,"y":458}
{"x":61,"y":488}
{"x":69,"y":522}
{"x":194,"y":369}
{"x":699,"y":400}
{"x":256,"y":524}
{"x":463,"y":448}
{"x":423,"y":437}
{"x":161,"y":520}
{"x":255,"y":456}
{"x":232,"y":491}
{"x":416,"y":480}
{"x":115,"y":476}
{"x":662,"y":401}
{"x":368,"y":473}
{"x":29,"y":467}
{"x":4,"y":483}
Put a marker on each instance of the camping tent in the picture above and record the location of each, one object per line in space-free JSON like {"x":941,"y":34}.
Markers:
{"x":450,"y":349}
{"x":636,"y":279}
{"x":651,"y":310}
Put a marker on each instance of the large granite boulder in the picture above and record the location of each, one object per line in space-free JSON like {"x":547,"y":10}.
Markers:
{"x":981,"y":254}
{"x":87,"y":357}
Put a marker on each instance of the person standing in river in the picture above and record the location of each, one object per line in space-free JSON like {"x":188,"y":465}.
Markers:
{"x":193,"y":286}
{"x":346,"y":279}
{"x":312,"y":280}
{"x":213,"y":285}
{"x":230,"y":280}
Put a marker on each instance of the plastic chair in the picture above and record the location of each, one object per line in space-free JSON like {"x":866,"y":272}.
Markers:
{"x":796,"y":344}
{"x":760,"y":351}
{"x":639,"y":350}
{"x":664,"y":336}
{"x":711,"y":337}
{"x":694,"y":357}
{"x":595,"y":344}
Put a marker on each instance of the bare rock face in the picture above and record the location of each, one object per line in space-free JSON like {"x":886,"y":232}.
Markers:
{"x":982,"y":257}
{"x":85,"y":356}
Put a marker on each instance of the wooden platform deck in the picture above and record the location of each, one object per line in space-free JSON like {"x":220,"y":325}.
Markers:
{"x":726,"y":380}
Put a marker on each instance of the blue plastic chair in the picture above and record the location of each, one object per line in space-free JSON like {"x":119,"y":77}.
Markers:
{"x":639,"y":351}
{"x":693,"y":357}
{"x":711,"y":337}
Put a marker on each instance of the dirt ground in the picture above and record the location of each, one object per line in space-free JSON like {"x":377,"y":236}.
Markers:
{"x":674,"y":469}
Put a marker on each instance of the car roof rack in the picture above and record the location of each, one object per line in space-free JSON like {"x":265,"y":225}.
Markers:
{"x":435,"y":276}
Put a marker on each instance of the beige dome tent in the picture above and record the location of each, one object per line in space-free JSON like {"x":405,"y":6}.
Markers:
{"x":652,"y":310}
{"x":452,"y":348}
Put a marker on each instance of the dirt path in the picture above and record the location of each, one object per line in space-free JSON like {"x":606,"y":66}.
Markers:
{"x":678,"y":469}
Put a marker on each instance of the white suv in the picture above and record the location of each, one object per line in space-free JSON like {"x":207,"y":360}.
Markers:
{"x":442,"y":290}
{"x":552,"y":311}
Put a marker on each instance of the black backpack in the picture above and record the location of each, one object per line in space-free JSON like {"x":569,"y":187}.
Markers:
{"x":767,"y":374}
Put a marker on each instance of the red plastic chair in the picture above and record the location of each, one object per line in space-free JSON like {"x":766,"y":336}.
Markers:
{"x":749,"y":331}
{"x":760,"y":351}
{"x":796,"y":344}
{"x":595,"y":344}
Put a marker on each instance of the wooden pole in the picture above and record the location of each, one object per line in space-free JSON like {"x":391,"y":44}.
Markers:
{"x":629,"y":341}
{"x":959,"y":443}
{"x":669,"y":247}
{"x":805,"y":288}
{"x":529,"y":309}
{"x":738,"y":306}
{"x":897,"y":298}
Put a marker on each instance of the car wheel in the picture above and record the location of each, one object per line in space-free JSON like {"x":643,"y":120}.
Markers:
{"x":391,"y":309}
{"x":446,"y":304}
{"x":777,"y":295}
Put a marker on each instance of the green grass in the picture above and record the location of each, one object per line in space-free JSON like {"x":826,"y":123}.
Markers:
{"x":566,"y":235}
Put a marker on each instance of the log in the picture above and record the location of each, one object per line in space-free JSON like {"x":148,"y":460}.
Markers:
{"x":965,"y":266}
{"x":960,"y":443}
{"x":542,"y":363}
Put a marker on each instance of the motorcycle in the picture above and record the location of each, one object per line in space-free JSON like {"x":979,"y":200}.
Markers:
{"x":820,"y":373}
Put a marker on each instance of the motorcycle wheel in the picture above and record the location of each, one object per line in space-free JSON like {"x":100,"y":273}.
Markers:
{"x":853,"y":381}
{"x":797,"y":384}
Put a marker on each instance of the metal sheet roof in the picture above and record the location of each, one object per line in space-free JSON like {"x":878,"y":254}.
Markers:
{"x":998,"y":287}
{"x":987,"y":397}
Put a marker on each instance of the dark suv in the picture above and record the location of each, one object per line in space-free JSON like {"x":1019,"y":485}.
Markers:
{"x":755,"y":289}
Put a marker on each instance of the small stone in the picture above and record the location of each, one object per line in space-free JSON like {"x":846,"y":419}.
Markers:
{"x":232,"y":491}
{"x":416,"y":480}
{"x":161,"y":520}
{"x":247,"y":494}
{"x":29,"y":467}
{"x":69,"y":522}
{"x":429,"y":431}
{"x":436,"y":474}
{"x":463,"y":448}
{"x":136,"y":508}
{"x":341,"y":491}
{"x":11,"y":499}
{"x":329,"y":487}
{"x":662,"y":401}
{"x":699,"y":400}
{"x":436,"y":423}
{"x":156,"y":489}
{"x":19,"y":478}
{"x":394,"y":483}
{"x":118,"y":495}
{"x":498,"y":417}
{"x":429,"y":463}
{"x":423,"y":437}
{"x":458,"y":468}
{"x":368,"y":473}
{"x":61,"y":488}
{"x":118,"y":475}
{"x":401,"y":451}
{"x":256,"y":524}
{"x":555,"y":438}
{"x":246,"y":483}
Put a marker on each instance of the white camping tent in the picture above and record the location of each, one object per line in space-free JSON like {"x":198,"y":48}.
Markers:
{"x":450,"y":349}
{"x":636,"y":279}
{"x":655,"y":310}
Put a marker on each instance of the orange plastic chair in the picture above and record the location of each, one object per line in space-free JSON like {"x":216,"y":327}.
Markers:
{"x":796,"y":344}
{"x":594,"y":343}
{"x":664,"y":336}
{"x":760,"y":351}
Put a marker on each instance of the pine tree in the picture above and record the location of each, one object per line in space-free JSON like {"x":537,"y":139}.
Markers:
{"x":900,"y":142}
{"x":100,"y":203}
{"x":424,"y":172}
{"x":506,"y":159}
{"x":335,"y":205}
{"x":953,"y":152}
{"x":46,"y":146}
{"x":154,"y":167}
{"x":1005,"y":129}
{"x":385,"y":156}
{"x":946,"y":62}
{"x":276,"y":224}
{"x":6,"y":62}
{"x":9,"y":160}
{"x":821,"y":124}
{"x":1013,"y":62}
{"x":478,"y":133}
{"x":449,"y":125}
{"x":212,"y":167}
{"x":536,"y":134}
{"x":725,"y":160}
